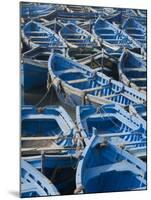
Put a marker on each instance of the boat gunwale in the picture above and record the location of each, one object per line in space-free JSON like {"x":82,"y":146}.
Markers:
{"x":130,"y":158}
{"x":122,"y":75}
{"x":47,"y":31}
{"x":51,"y":189}
{"x":119,"y":110}
{"x":139,"y":97}
{"x":71,"y":45}
{"x":110,"y":45}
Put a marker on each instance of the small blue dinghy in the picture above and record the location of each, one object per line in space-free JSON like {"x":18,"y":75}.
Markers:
{"x":34,"y":10}
{"x":133,"y":71}
{"x":75,"y":36}
{"x":111,"y":35}
{"x":109,"y":14}
{"x":108,"y":119}
{"x":48,"y":128}
{"x":77,"y":84}
{"x":105,"y":167}
{"x":35,"y":67}
{"x":34,"y":34}
{"x":59,"y":168}
{"x":113,"y":122}
{"x":34,"y":183}
{"x":135,"y":30}
{"x":139,"y":15}
{"x":51,"y":143}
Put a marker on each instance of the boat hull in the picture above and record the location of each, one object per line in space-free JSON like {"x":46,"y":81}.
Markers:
{"x":60,"y":169}
{"x":102,"y":162}
{"x":77,"y":84}
{"x":34,"y":76}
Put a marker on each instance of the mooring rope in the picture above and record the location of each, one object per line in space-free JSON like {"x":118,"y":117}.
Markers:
{"x":44,"y":97}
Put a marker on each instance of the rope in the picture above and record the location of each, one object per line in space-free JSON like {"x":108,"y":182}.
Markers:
{"x":44,"y":97}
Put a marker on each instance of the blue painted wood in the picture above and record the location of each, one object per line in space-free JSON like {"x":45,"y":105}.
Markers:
{"x":35,"y":67}
{"x":34,"y":183}
{"x":96,"y":59}
{"x":104,"y":166}
{"x":32,"y":10}
{"x":34,"y":76}
{"x":111,"y":35}
{"x":58,"y":166}
{"x":77,"y":84}
{"x":116,"y":18}
{"x":34,"y":34}
{"x":49,"y":121}
{"x":135,"y":30}
{"x":132,"y":70}
{"x":75,"y":36}
{"x":109,"y":14}
{"x":139,"y":110}
{"x":113,"y":123}
{"x":139,"y":15}
{"x":60,"y":169}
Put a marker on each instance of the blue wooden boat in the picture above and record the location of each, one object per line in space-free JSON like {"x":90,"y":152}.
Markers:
{"x":110,"y":35}
{"x":107,"y":119}
{"x":139,"y":110}
{"x":132,"y":70}
{"x":77,"y":84}
{"x":35,"y":67}
{"x":105,"y":167}
{"x":34,"y":34}
{"x":34,"y":183}
{"x":47,"y":129}
{"x":109,"y":14}
{"x":51,"y":143}
{"x":112,"y":122}
{"x":34,"y":10}
{"x":135,"y":30}
{"x":75,"y":36}
{"x":129,"y":11}
{"x":60,"y":169}
{"x":134,"y":14}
